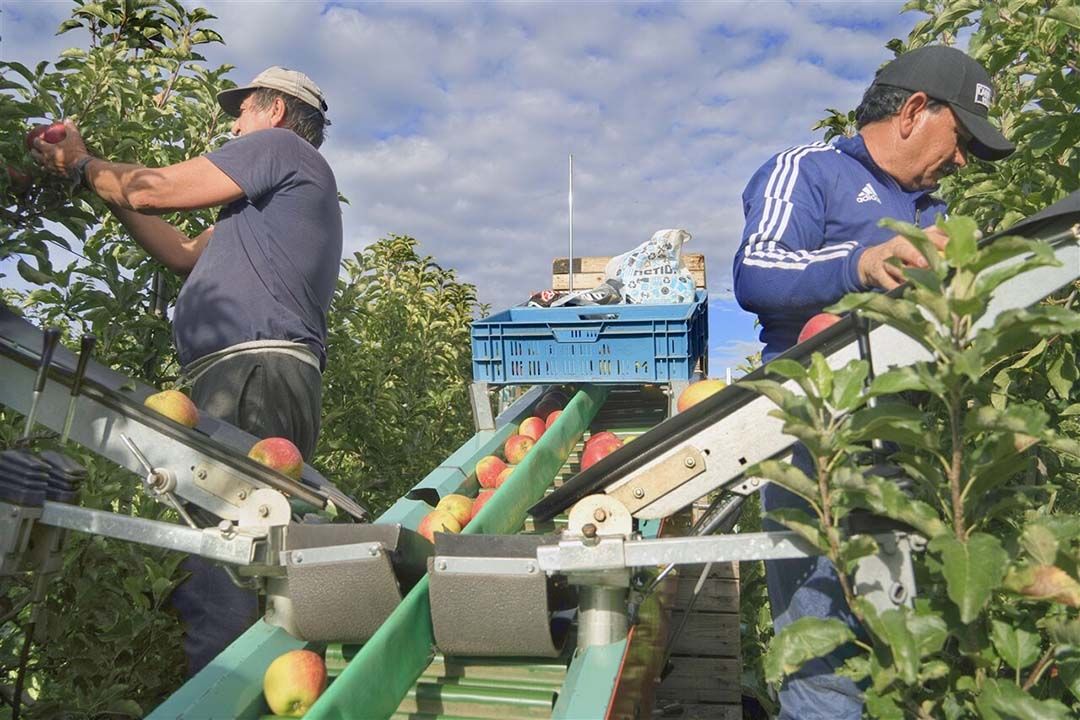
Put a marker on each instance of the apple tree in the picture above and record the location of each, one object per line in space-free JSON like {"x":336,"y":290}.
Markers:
{"x":988,"y":432}
{"x":395,"y":393}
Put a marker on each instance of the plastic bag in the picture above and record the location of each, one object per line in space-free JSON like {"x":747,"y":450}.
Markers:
{"x":653,"y":272}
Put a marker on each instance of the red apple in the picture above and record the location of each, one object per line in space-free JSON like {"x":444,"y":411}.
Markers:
{"x":697,"y":392}
{"x":532,"y":427}
{"x":504,"y":476}
{"x":293,"y":682}
{"x":551,"y":418}
{"x":599,"y":450}
{"x":551,"y":401}
{"x":438,"y":521}
{"x":174,"y":405}
{"x":517,"y":447}
{"x":18,"y":181}
{"x":457,"y":505}
{"x":816,"y":324}
{"x":487,"y":469}
{"x":600,"y":436}
{"x":479,"y":502}
{"x":278,"y":454}
{"x":49,"y":133}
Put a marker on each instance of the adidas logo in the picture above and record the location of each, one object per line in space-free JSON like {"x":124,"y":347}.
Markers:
{"x":867,"y":194}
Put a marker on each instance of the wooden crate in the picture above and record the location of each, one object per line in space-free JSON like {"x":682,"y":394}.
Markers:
{"x":678,"y":710}
{"x":589,"y":271}
{"x":702,"y":680}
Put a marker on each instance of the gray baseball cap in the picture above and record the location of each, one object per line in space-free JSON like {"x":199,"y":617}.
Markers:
{"x":950,"y":76}
{"x":290,"y":82}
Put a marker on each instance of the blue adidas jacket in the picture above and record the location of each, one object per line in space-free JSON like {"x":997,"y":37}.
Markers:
{"x":810,"y":212}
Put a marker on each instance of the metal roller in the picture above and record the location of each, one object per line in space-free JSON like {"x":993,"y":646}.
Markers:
{"x":342,"y":581}
{"x":490,"y":598}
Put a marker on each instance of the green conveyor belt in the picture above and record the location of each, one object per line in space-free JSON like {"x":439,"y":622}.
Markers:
{"x":383,"y":672}
{"x":397,"y":674}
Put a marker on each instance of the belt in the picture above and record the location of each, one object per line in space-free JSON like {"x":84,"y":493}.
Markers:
{"x":196,"y":369}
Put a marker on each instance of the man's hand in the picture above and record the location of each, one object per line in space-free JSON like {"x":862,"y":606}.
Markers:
{"x":57,"y":158}
{"x":876,"y":271}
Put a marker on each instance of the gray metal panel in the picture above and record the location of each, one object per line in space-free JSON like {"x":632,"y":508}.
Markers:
{"x":347,"y":600}
{"x":342,"y":602}
{"x":484,"y":614}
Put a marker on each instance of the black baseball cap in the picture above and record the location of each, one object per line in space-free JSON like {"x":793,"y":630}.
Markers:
{"x":950,"y":76}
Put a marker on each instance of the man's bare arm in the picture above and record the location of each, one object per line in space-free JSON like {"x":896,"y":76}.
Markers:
{"x":162,"y":241}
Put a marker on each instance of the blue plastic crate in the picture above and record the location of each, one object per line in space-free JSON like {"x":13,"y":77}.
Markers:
{"x":595,"y":344}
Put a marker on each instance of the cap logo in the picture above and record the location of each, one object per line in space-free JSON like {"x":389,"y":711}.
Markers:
{"x":983,"y":95}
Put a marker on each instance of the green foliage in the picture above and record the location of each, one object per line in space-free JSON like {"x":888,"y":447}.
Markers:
{"x":138,"y":93}
{"x":999,"y":582}
{"x":395,"y":400}
{"x":395,"y":397}
{"x":1030,"y":48}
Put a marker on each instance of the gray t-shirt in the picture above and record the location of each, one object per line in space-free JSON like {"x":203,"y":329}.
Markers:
{"x":271,"y":265}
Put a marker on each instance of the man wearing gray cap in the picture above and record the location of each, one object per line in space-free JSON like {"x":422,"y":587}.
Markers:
{"x":812,"y":236}
{"x":250,"y":321}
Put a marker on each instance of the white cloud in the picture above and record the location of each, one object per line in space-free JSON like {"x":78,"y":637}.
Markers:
{"x":453,"y":121}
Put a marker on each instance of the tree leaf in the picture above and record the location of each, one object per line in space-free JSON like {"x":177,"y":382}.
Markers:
{"x":930,"y":631}
{"x":1044,"y":582}
{"x":893,"y":421}
{"x":855,"y":549}
{"x":972,"y":570}
{"x":963,"y":240}
{"x":788,"y":476}
{"x":1016,"y":646}
{"x":1004,"y":700}
{"x":883,"y":497}
{"x":891,"y":628}
{"x":801,"y":641}
{"x":1065,"y":14}
{"x":800,"y":522}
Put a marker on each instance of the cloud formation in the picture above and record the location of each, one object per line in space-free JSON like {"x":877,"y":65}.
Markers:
{"x":452,"y":122}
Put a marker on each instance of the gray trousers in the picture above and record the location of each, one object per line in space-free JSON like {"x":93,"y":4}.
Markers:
{"x":267,"y":394}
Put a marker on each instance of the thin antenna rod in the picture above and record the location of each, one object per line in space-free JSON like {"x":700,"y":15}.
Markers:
{"x":571,"y":267}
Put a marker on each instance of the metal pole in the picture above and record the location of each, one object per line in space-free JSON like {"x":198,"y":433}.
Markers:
{"x":602,"y":617}
{"x":571,"y":200}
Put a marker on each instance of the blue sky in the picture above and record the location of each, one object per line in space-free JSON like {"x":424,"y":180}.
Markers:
{"x":452,"y":122}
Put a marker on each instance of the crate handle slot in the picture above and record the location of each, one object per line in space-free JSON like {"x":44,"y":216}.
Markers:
{"x":577,"y":334}
{"x":599,"y":316}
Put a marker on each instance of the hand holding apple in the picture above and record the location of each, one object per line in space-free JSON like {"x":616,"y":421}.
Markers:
{"x":56,"y":147}
{"x":293,"y":682}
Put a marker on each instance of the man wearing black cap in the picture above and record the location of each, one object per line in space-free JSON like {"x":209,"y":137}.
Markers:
{"x":250,"y":321}
{"x":812,"y":236}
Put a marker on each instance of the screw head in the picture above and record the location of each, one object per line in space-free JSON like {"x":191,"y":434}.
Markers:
{"x":373,"y":551}
{"x":600,"y":515}
{"x":639,"y":493}
{"x":589,"y":530}
{"x":441,"y":565}
{"x":263,"y":511}
{"x":242,"y":495}
{"x":225,"y":526}
{"x":689,"y":462}
{"x":297,"y":558}
{"x":201,"y":474}
{"x":530,"y":568}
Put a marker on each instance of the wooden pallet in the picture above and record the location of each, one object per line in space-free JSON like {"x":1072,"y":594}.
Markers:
{"x":589,"y":271}
{"x":706,"y":659}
